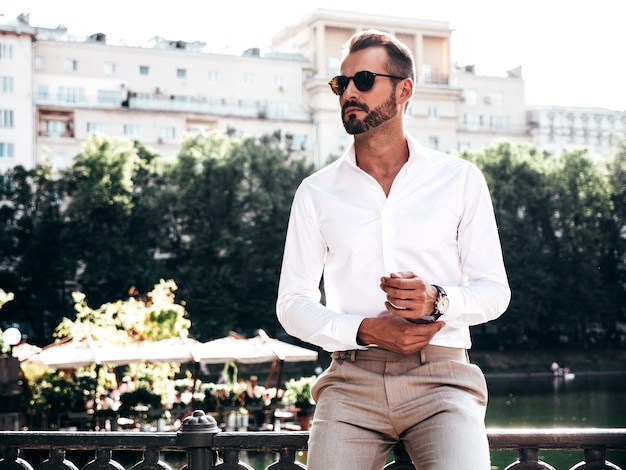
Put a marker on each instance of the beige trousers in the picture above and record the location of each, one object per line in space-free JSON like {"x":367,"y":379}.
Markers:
{"x":366,"y":401}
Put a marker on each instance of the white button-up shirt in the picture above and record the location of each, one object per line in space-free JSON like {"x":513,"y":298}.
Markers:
{"x":437,"y":222}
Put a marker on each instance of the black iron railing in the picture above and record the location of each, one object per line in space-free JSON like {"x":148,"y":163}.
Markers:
{"x":201,"y":446}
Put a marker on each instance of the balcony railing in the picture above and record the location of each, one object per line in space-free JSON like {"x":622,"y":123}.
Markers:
{"x":201,"y":446}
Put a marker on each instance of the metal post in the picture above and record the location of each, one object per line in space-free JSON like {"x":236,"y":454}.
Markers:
{"x":196,"y":435}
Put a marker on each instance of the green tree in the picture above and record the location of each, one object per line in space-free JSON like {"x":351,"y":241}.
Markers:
{"x":233,"y":200}
{"x":582,"y":211}
{"x":31,"y":249}
{"x":517,"y":178}
{"x":615,"y":253}
{"x":113,"y":220}
{"x":554,"y":215}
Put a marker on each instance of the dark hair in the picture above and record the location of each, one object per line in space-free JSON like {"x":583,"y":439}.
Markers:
{"x":400,"y":62}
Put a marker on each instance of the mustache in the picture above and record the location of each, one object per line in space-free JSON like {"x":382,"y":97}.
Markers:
{"x":354,"y":104}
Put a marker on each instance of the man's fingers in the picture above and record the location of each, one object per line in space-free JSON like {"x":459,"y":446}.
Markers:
{"x":403,"y":274}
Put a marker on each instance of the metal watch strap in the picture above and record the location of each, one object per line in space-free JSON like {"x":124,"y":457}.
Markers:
{"x":441,"y":303}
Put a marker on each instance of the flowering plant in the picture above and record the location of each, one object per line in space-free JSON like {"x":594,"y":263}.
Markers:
{"x":298,"y":391}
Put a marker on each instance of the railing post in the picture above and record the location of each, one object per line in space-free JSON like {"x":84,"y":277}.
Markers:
{"x":595,"y":458}
{"x":529,"y":460}
{"x":12,"y":460}
{"x":196,"y":435}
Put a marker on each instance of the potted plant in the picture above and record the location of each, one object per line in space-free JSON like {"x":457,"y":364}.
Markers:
{"x":298,"y":392}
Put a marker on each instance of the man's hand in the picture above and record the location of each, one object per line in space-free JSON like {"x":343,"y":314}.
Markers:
{"x":408,"y":296}
{"x":397,"y":334}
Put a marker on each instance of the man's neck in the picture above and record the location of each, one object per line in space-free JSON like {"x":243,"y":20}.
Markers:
{"x":381,"y":155}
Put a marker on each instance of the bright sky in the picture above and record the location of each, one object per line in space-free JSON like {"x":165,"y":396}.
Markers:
{"x":571,"y":51}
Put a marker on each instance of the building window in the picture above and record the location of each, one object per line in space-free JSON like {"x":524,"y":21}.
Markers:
{"x":39,"y":62}
{"x":214,"y":76}
{"x":499,"y":122}
{"x":248,"y":79}
{"x":472,"y":121}
{"x":71,"y":65}
{"x":280,"y":83}
{"x":181,"y":73}
{"x":470,"y":97}
{"x":43,"y":92}
{"x":342,"y":141}
{"x":167,"y":134}
{"x":144,"y":70}
{"x":462,"y":146}
{"x":55,"y":128}
{"x":7,"y":150}
{"x":71,"y":95}
{"x":6,"y":51}
{"x":433,"y":112}
{"x":300,"y":141}
{"x":6,"y":85}
{"x":278,"y":110}
{"x":94,"y":127}
{"x":131,"y":130}
{"x":110,"y":68}
{"x":433,"y":142}
{"x":494,"y":99}
{"x":6,"y":118}
{"x":426,"y":73}
{"x":109,"y":96}
{"x":333,"y":66}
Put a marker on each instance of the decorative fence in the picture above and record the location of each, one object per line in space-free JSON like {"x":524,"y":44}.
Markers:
{"x":201,"y":446}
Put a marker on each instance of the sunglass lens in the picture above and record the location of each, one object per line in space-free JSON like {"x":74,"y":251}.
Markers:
{"x":341,"y":83}
{"x":364,"y":80}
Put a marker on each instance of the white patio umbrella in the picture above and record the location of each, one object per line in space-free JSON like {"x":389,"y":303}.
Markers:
{"x":256,"y":350}
{"x":70,"y":354}
{"x":232,"y":348}
{"x":180,"y":350}
{"x":24,"y":350}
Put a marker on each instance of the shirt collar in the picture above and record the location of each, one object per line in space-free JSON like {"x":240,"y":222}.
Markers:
{"x":416,"y":150}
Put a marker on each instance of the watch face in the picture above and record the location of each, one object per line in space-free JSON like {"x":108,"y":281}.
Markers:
{"x":442,"y":304}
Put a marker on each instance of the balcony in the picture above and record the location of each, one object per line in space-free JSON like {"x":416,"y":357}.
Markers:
{"x":201,"y":446}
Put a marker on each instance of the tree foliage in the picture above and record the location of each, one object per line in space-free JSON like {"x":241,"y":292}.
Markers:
{"x":213,"y":219}
{"x":120,"y":218}
{"x":151,"y":317}
{"x":561,"y":246}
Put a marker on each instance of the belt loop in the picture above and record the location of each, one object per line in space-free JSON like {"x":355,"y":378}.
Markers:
{"x":422,"y":356}
{"x":353,"y":355}
{"x":343,"y":355}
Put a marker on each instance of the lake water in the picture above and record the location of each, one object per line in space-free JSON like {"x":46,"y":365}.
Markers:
{"x":542,"y":400}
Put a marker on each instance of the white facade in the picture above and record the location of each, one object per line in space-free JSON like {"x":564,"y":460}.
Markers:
{"x":56,"y":88}
{"x":491,"y":109}
{"x":558,"y":128}
{"x":17,"y":135}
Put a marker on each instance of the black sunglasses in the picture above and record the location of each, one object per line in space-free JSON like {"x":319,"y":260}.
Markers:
{"x":363,"y":81}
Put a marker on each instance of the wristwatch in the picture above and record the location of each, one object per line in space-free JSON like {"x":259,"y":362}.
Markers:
{"x":441,"y":303}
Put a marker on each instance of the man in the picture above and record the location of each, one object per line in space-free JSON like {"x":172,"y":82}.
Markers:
{"x":407,"y":243}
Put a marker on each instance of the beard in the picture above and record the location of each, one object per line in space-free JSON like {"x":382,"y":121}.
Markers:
{"x":374,"y":118}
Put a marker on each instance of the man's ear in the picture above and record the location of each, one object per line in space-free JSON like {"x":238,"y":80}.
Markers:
{"x":405,"y":91}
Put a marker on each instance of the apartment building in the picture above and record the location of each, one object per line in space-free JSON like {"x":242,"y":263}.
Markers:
{"x":56,"y":88}
{"x":558,"y":128}
{"x":492,"y":108}
{"x":17,"y":133}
